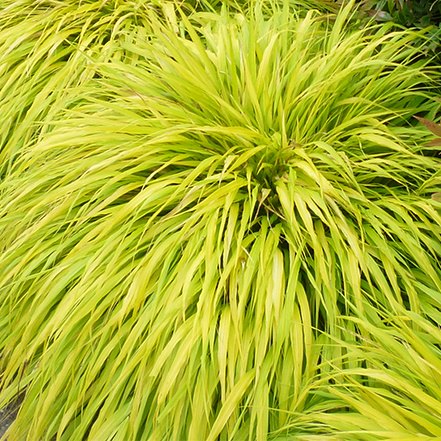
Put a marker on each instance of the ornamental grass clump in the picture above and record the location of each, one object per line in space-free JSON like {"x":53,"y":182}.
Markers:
{"x":232,"y":238}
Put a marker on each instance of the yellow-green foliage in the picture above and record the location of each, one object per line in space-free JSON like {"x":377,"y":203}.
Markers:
{"x":216,"y":226}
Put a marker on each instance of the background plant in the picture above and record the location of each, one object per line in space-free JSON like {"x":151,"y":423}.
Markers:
{"x":410,"y":12}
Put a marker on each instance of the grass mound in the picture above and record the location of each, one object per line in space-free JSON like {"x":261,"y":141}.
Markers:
{"x":226,"y":234}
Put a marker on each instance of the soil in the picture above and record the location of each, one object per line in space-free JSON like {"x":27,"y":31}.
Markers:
{"x":8,"y":415}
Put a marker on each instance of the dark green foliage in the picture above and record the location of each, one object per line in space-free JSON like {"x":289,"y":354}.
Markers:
{"x":409,"y":13}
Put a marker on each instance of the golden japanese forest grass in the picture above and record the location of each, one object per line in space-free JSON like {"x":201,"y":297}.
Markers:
{"x":217,"y":226}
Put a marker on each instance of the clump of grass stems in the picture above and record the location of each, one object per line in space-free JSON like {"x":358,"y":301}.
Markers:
{"x":49,"y":48}
{"x":226,"y":233}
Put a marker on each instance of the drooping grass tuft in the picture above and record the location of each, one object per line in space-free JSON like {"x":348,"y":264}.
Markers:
{"x":230,"y":238}
{"x":48,"y":48}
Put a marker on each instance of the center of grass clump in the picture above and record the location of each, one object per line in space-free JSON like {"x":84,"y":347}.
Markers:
{"x":271,"y":164}
{"x":268,"y":170}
